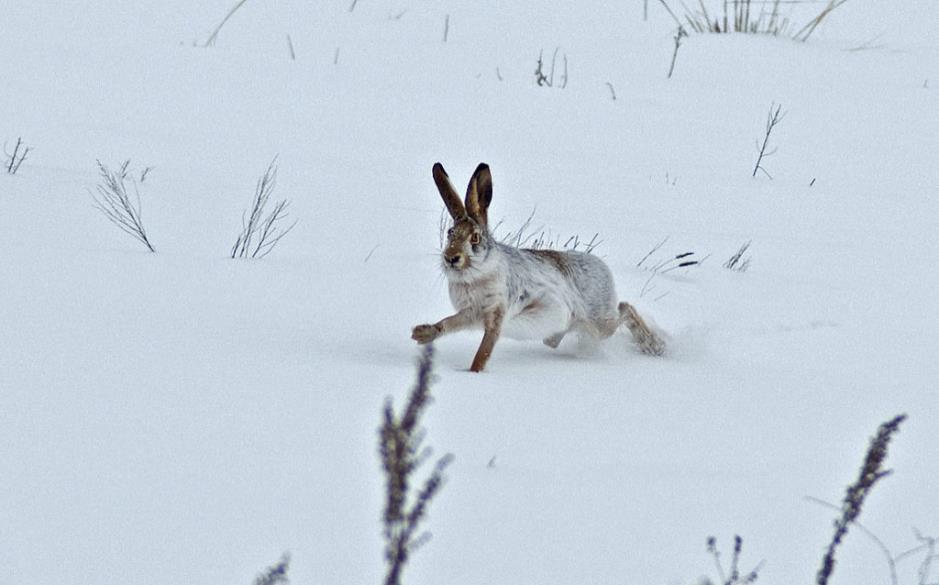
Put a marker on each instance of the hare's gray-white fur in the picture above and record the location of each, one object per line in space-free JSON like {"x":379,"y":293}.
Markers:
{"x":523,"y":294}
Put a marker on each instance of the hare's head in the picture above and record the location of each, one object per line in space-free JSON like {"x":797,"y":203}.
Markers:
{"x":468,"y":241}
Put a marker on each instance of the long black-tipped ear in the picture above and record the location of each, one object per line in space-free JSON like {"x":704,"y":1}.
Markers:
{"x":448,"y":193}
{"x":479,"y":194}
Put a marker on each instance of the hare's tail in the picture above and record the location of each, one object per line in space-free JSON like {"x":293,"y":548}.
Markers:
{"x":649,"y":342}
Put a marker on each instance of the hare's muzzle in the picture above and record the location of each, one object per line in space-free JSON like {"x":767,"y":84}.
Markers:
{"x":453,"y":260}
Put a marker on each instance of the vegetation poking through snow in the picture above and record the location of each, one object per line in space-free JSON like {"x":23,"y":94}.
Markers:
{"x":15,"y":158}
{"x":261,"y":229}
{"x":275,"y":574}
{"x":679,"y":35}
{"x":732,"y":576}
{"x":540,"y":238}
{"x":209,"y":42}
{"x":871,"y":472}
{"x":769,"y":17}
{"x":737,"y":262}
{"x":546,"y":78}
{"x":117,"y":205}
{"x":402,"y":453}
{"x":774,"y":117}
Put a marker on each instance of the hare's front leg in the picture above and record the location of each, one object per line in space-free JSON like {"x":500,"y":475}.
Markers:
{"x":426,"y":333}
{"x":492,"y":319}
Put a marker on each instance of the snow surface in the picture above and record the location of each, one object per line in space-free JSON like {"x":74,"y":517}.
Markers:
{"x":181,"y":417}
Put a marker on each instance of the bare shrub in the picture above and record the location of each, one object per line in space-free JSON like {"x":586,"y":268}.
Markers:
{"x":15,"y":158}
{"x":261,"y":229}
{"x":117,"y":205}
{"x":402,"y":453}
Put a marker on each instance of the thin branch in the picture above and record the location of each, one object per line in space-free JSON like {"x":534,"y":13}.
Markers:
{"x":209,"y":42}
{"x":679,"y":35}
{"x":774,"y":117}
{"x":16,"y":158}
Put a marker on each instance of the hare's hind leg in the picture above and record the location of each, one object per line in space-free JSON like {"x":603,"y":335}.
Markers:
{"x":649,"y":343}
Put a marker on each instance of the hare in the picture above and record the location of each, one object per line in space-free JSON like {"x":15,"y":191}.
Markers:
{"x":524,"y":294}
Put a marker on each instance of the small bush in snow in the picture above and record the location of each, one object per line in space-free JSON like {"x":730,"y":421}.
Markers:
{"x":275,"y":574}
{"x":117,"y":205}
{"x":732,"y":576}
{"x":871,"y":472}
{"x":15,"y":158}
{"x":261,"y":229}
{"x":401,"y":454}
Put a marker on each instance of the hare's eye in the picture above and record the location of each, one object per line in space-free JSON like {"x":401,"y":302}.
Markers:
{"x":450,"y":233}
{"x":474,"y":239}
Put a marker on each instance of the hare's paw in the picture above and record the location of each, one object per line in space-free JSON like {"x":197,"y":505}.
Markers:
{"x":425,"y":333}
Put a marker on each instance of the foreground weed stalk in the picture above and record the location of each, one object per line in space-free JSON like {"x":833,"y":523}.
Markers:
{"x":871,"y":472}
{"x":401,"y":454}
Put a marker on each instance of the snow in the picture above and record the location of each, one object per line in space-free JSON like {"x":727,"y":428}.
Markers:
{"x":182,"y":417}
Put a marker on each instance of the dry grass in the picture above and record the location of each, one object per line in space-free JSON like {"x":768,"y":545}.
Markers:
{"x":770,"y":17}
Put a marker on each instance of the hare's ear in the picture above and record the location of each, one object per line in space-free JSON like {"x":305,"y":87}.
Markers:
{"x":448,"y":193}
{"x":479,"y":194}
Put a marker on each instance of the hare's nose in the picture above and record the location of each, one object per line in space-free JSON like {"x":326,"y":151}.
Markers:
{"x":452,"y":260}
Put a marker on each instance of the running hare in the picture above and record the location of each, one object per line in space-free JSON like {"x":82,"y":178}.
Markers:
{"x":525,"y":294}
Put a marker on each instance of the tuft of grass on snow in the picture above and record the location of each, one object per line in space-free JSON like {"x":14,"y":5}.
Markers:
{"x":769,"y":17}
{"x":401,"y":451}
{"x":261,"y":229}
{"x":117,"y":205}
{"x":539,"y":238}
{"x":528,"y":237}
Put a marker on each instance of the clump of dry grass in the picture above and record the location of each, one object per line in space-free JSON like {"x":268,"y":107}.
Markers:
{"x":771,"y":17}
{"x":118,"y":205}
